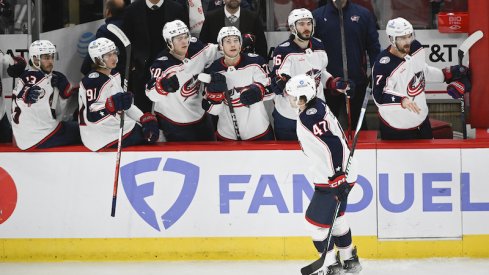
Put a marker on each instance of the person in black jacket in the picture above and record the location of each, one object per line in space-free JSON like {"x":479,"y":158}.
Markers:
{"x":246,"y":21}
{"x":143,"y":24}
{"x":114,"y":10}
{"x":361,"y":39}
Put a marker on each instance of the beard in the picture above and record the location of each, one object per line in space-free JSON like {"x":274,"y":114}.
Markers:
{"x":306,"y":35}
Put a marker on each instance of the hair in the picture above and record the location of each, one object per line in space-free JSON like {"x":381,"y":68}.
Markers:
{"x":114,"y":8}
{"x":310,"y":103}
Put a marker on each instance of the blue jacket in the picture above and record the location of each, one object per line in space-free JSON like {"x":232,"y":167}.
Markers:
{"x":361,"y":38}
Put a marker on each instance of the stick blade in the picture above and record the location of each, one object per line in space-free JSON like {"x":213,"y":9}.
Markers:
{"x":471,"y":40}
{"x":313,"y":267}
{"x":119,"y":33}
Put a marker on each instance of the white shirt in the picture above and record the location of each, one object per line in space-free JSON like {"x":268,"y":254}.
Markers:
{"x":150,"y":5}
{"x":227,"y":13}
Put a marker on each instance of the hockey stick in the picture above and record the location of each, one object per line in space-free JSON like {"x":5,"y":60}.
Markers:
{"x":462,"y":50}
{"x":127,"y":44}
{"x":316,"y":265}
{"x":345,"y":64}
{"x":206,"y":78}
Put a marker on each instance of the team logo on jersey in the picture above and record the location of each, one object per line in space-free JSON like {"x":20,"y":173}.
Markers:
{"x":164,"y":58}
{"x":147,"y":194}
{"x":193,"y":39}
{"x":355,"y":18}
{"x":416,"y":85}
{"x":311,"y":111}
{"x":384,"y":60}
{"x":252,"y":55}
{"x":8,"y":196}
{"x":190,"y":88}
{"x":93,"y":75}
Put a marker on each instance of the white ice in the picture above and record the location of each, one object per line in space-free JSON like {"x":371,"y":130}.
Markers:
{"x":452,"y":266}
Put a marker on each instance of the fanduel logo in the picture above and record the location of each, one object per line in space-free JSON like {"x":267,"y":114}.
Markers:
{"x":138,"y":192}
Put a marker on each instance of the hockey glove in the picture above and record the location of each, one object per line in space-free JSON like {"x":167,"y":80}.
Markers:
{"x":339,"y":187}
{"x":216,"y":88}
{"x":33,"y":94}
{"x":118,"y":102}
{"x":248,"y":43}
{"x":252,"y":94}
{"x":165,"y":85}
{"x":151,"y":132}
{"x":456,"y":72}
{"x":336,"y":84}
{"x":17,"y":68}
{"x":457,"y":89}
{"x":280,"y":82}
{"x":59,"y":80}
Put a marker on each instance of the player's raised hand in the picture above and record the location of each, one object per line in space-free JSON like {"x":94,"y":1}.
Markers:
{"x":407,"y":103}
{"x":167,"y":84}
{"x":281,"y":81}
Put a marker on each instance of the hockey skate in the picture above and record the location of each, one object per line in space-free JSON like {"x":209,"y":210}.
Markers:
{"x":335,"y":269}
{"x":352,"y":265}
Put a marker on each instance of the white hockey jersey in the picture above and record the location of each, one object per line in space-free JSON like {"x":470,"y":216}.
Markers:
{"x":252,"y":120}
{"x":395,"y":78}
{"x":183,"y":106}
{"x":292,"y":60}
{"x":32,"y":123}
{"x":98,"y":128}
{"x":323,"y":142}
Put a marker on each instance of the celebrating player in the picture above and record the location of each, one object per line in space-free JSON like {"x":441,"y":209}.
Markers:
{"x":300,"y":54}
{"x":399,"y":76}
{"x":35,"y":121}
{"x":174,"y":86}
{"x":324,"y":144}
{"x":244,"y":78}
{"x":101,"y":98}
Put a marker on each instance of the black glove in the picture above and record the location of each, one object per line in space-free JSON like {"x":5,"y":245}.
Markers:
{"x":456,"y":72}
{"x":118,"y":102}
{"x":248,"y":45}
{"x":214,"y":91}
{"x":151,"y":132}
{"x":17,"y":68}
{"x":32,"y":94}
{"x":167,"y":84}
{"x":252,"y":94}
{"x":339,"y":187}
{"x":280,"y":82}
{"x":457,"y":89}
{"x":59,"y":80}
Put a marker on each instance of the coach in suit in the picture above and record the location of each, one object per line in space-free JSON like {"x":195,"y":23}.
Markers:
{"x":143,"y":24}
{"x":232,"y":15}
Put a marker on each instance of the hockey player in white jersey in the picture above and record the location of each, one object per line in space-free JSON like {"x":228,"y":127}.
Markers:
{"x":100,"y":100}
{"x":35,"y":123}
{"x":175,"y":89}
{"x":300,"y":54}
{"x":239,"y":85}
{"x":323,"y":142}
{"x":399,"y":76}
{"x":9,"y":67}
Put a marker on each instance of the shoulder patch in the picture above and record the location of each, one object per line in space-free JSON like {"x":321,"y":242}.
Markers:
{"x":163,"y":58}
{"x":317,"y":39}
{"x":252,"y":55}
{"x":311,"y":111}
{"x":93,"y":75}
{"x":384,"y":60}
{"x":193,"y":39}
{"x":286,"y":44}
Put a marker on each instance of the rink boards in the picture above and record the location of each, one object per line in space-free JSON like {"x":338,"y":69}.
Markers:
{"x":228,"y":201}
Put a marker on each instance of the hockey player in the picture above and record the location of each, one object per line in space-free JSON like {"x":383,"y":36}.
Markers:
{"x":324,"y":144}
{"x":100,"y":100}
{"x":244,"y":77}
{"x":14,"y":67}
{"x":174,"y":86}
{"x":35,"y":123}
{"x":300,"y":54}
{"x":399,"y":76}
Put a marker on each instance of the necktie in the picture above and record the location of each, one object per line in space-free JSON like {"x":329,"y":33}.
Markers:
{"x":233,"y":19}
{"x":154,"y":7}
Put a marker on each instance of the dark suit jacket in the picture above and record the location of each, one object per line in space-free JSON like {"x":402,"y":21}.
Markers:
{"x":135,"y":26}
{"x":249,"y":22}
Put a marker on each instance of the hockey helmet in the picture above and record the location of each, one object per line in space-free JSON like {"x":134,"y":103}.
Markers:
{"x":172,"y":29}
{"x":398,"y":27}
{"x":301,"y":85}
{"x":228,"y":31}
{"x":38,"y":48}
{"x":100,"y":46}
{"x":299,"y":14}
